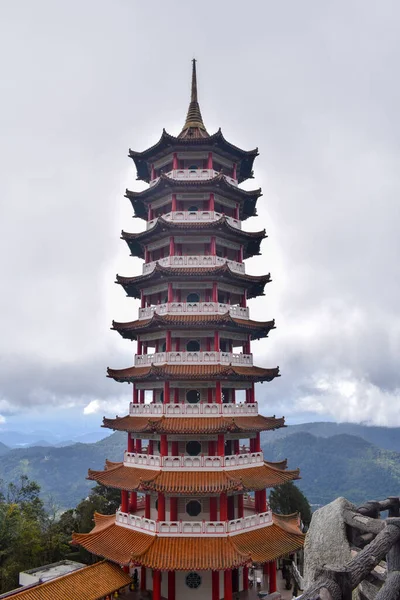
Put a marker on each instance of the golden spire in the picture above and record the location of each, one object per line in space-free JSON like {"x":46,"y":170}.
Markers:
{"x":194,"y":126}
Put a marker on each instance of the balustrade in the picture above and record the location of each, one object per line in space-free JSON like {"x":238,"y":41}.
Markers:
{"x":184,"y":462}
{"x":189,"y":528}
{"x":193,"y":175}
{"x":193,"y":308}
{"x":192,"y":410}
{"x":210,"y":357}
{"x":194,"y":261}
{"x":202,"y":216}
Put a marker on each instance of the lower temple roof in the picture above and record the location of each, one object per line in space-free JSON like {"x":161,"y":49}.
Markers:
{"x":193,"y":483}
{"x":195,"y":425}
{"x":123,"y":545}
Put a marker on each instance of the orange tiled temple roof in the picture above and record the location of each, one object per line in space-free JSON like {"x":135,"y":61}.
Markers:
{"x":89,"y":583}
{"x":257,"y":329}
{"x":203,"y":372}
{"x":254,"y":283}
{"x":123,"y":545}
{"x":196,"y":425}
{"x":200,"y":482}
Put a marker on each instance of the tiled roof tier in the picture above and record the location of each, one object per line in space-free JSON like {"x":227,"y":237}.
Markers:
{"x":215,"y":142}
{"x":224,"y":322}
{"x":89,"y":583}
{"x":123,"y":545}
{"x":251,"y":240}
{"x":203,"y":372}
{"x":254,"y":284}
{"x":196,"y":483}
{"x":194,"y":425}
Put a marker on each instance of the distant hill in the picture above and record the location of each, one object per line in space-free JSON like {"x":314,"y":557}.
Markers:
{"x":341,"y":465}
{"x":3,"y":449}
{"x":383,"y":437}
{"x":19,"y":439}
{"x":61,"y":472}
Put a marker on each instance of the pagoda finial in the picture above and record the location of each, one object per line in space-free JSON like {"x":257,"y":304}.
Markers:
{"x":194,"y":126}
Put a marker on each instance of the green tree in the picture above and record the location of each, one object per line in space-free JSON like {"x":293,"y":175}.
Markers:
{"x":287,"y":499}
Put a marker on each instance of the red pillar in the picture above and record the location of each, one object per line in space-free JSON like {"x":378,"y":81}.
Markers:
{"x":142,"y":300}
{"x":124,"y":501}
{"x":221,"y":445}
{"x":171,"y":246}
{"x":171,"y":585}
{"x":245,"y":578}
{"x":210,"y":161}
{"x":262,"y":507}
{"x":218,"y":392}
{"x":215,"y":585}
{"x":173,"y":207}
{"x":234,"y":171}
{"x":168,"y":341}
{"x":272,"y":577}
{"x":131,"y":443}
{"x":212,"y":203}
{"x":213,"y":246}
{"x":141,"y":396}
{"x":135,"y":392}
{"x":133,"y":502}
{"x":161,"y":506}
{"x":143,"y":578}
{"x":215,"y":292}
{"x":216,"y":341}
{"x":209,"y":391}
{"x":257,"y":443}
{"x":223,"y":507}
{"x":163,"y":445}
{"x":211,"y":449}
{"x":176,"y":396}
{"x":236,"y":447}
{"x":153,"y":173}
{"x":213,"y":509}
{"x":174,"y":448}
{"x":147,"y":506}
{"x":243,"y":303}
{"x":227,"y":584}
{"x":173,"y":509}
{"x":240,"y":506}
{"x":167,"y":397}
{"x":150,"y":447}
{"x":138,"y":446}
{"x":156,"y":585}
{"x":170,"y":293}
{"x":252,"y":394}
{"x":174,"y":167}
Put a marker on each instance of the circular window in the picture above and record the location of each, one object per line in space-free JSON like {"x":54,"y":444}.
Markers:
{"x":193,"y":508}
{"x":193,"y":580}
{"x":193,"y":396}
{"x":193,"y":448}
{"x":193,"y":298}
{"x":193,"y":346}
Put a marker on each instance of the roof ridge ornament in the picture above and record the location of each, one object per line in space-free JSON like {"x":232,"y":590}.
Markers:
{"x":194,"y":126}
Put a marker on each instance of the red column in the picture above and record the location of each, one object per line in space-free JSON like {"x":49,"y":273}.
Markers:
{"x":147,"y":506}
{"x":135,"y":390}
{"x":131,"y":443}
{"x":216,"y":341}
{"x":272,"y":577}
{"x":174,"y":449}
{"x":243,"y":303}
{"x":231,"y":508}
{"x":174,"y":167}
{"x":168,"y":341}
{"x":142,"y":299}
{"x":170,"y":293}
{"x":211,"y":449}
{"x":149,"y":213}
{"x":234,"y":171}
{"x":240,"y":506}
{"x":156,"y":585}
{"x":171,"y":246}
{"x":237,"y":212}
{"x":142,"y":578}
{"x":213,"y":509}
{"x":240,"y":254}
{"x":133,"y":502}
{"x":252,"y":394}
{"x":161,"y":506}
{"x":223,"y":507}
{"x":227,"y":584}
{"x":173,"y":207}
{"x":124,"y":501}
{"x":218,"y":392}
{"x":171,"y":585}
{"x":213,"y":249}
{"x":211,"y":203}
{"x":150,"y":449}
{"x":167,"y":398}
{"x":209,"y":392}
{"x":141,"y":396}
{"x":262,"y":506}
{"x":221,"y":445}
{"x":163,"y":445}
{"x":176,"y":396}
{"x":125,"y":568}
{"x":257,"y":443}
{"x":173,"y":509}
{"x":138,"y":447}
{"x":257,"y":501}
{"x":215,"y":585}
{"x":236,"y":447}
{"x":215,"y":292}
{"x":245,"y":578}
{"x":210,"y":161}
{"x":153,"y":173}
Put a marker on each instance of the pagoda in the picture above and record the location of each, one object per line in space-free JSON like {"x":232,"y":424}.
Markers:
{"x":194,"y":515}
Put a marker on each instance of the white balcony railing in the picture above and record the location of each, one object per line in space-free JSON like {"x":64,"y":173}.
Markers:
{"x":193,"y":308}
{"x":194,"y":261}
{"x":190,"y":528}
{"x":194,"y":175}
{"x":183,"y":463}
{"x":196,"y":216}
{"x":192,"y":410}
{"x":194,"y":358}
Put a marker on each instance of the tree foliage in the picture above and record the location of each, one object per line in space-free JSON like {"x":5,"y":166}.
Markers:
{"x":287,"y":499}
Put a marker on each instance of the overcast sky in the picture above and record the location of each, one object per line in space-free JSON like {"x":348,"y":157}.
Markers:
{"x":313,"y":84}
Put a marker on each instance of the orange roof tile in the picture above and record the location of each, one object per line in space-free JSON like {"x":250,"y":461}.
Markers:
{"x":196,"y":425}
{"x":88,"y":583}
{"x":122,"y":545}
{"x":195,"y":372}
{"x":192,"y":482}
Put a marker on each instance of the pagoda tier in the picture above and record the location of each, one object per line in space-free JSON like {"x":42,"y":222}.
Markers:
{"x":224,"y":322}
{"x":121,"y":544}
{"x":170,"y":195}
{"x":224,"y":273}
{"x":193,"y":478}
{"x":192,"y":482}
{"x":171,"y":225}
